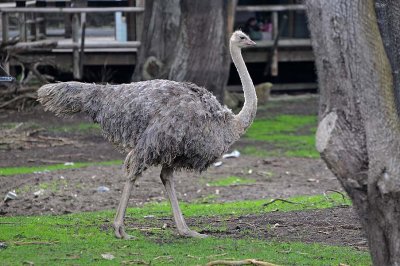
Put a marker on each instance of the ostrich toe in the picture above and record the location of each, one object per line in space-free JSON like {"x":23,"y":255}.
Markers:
{"x":191,"y":233}
{"x":119,"y":231}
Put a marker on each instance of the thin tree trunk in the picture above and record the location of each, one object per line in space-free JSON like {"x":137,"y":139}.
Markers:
{"x":359,"y":131}
{"x":187,"y":40}
{"x":159,"y":37}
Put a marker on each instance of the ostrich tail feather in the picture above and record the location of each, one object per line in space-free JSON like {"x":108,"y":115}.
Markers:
{"x":64,"y":98}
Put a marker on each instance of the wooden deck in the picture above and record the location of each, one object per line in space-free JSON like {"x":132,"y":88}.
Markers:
{"x":98,"y":51}
{"x":108,"y":51}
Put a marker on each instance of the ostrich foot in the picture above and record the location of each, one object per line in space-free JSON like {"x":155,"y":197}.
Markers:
{"x":119,"y":231}
{"x":191,"y":233}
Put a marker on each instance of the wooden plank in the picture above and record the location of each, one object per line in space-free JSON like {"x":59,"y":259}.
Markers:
{"x":257,"y":56}
{"x":71,"y":10}
{"x":294,"y":86}
{"x":13,"y":4}
{"x":270,"y":8}
{"x":27,"y":47}
{"x":89,"y":44}
{"x":64,"y":60}
{"x":99,"y":51}
{"x":283,"y":43}
{"x":281,"y":87}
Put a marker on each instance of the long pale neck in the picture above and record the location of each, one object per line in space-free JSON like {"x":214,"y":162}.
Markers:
{"x":248,"y":112}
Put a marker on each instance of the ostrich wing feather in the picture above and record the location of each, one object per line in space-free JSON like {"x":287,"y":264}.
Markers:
{"x":171,"y":123}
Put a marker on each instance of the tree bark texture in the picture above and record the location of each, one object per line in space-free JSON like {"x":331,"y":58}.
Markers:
{"x":158,"y":41}
{"x":359,"y":131}
{"x":187,"y":40}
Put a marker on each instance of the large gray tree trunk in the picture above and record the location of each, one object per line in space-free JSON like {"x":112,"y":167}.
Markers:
{"x":187,"y":40}
{"x":359,"y":131}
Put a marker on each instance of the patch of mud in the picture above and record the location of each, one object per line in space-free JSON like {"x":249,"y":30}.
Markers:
{"x":75,"y":190}
{"x":336,"y":226}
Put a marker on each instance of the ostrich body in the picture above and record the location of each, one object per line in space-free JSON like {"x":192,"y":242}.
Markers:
{"x":177,"y":125}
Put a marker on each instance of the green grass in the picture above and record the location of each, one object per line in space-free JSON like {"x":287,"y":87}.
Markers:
{"x":6,"y":171}
{"x":80,"y":239}
{"x":75,"y":128}
{"x":299,"y":203}
{"x":230,"y":181}
{"x":259,"y":152}
{"x":287,"y":135}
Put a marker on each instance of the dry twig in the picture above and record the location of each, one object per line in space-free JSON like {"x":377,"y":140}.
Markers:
{"x":336,"y":191}
{"x":283,"y":200}
{"x":20,"y":243}
{"x":217,"y":255}
{"x":135,"y":262}
{"x":240,"y":262}
{"x":164,"y":258}
{"x":17,"y":98}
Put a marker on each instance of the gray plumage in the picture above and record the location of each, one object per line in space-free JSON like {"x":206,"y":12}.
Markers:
{"x":177,"y":124}
{"x":160,"y":122}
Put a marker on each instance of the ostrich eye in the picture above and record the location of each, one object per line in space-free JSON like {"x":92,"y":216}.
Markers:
{"x":242,"y":37}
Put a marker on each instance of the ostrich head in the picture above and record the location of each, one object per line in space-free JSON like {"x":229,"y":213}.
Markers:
{"x":241,"y":40}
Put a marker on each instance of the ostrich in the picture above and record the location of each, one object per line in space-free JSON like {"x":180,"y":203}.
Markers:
{"x":177,"y":125}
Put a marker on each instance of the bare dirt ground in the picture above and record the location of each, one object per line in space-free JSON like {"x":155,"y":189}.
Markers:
{"x":76,"y":190}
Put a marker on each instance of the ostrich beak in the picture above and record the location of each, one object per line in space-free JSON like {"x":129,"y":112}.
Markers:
{"x":250,"y":43}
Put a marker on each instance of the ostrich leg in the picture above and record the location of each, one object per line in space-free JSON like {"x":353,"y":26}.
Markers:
{"x":167,"y":178}
{"x":119,"y":229}
{"x":119,"y":217}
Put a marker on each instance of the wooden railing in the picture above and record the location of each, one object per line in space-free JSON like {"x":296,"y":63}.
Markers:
{"x":276,"y":41}
{"x":37,"y":28}
{"x":33,"y":29}
{"x":271,"y":8}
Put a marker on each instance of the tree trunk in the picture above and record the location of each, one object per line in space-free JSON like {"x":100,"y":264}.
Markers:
{"x":159,"y":37}
{"x":186,"y":40}
{"x":359,"y":131}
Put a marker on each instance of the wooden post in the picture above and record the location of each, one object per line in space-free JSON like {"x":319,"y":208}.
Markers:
{"x":5,"y":35}
{"x":4,"y":26}
{"x":35,"y":27}
{"x":22,"y":27}
{"x":231,"y":8}
{"x":67,"y":26}
{"x":275,"y":32}
{"x":75,"y":40}
{"x":39,"y":20}
{"x":139,"y":20}
{"x":82,"y":51}
{"x":130,"y":23}
{"x":291,"y":21}
{"x":42,"y":27}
